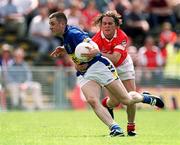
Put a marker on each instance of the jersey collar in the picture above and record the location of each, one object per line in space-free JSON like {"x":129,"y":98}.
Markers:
{"x":115,"y":35}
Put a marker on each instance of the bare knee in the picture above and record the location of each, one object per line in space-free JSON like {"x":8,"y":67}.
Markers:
{"x":134,"y":97}
{"x":113,"y":102}
{"x":92,"y":101}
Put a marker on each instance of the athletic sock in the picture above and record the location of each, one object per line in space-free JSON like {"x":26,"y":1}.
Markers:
{"x":104,"y":102}
{"x":131,"y":127}
{"x":114,"y":126}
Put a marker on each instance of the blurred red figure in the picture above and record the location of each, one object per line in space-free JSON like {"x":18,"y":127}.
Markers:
{"x":167,"y":35}
{"x":88,"y":14}
{"x":150,"y":58}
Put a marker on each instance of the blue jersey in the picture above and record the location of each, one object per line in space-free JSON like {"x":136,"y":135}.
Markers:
{"x":71,"y":38}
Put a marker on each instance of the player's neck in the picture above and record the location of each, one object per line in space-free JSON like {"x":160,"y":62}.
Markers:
{"x":109,"y":37}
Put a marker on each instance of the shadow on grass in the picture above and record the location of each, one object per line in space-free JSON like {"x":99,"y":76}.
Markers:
{"x":81,"y":136}
{"x":87,"y":136}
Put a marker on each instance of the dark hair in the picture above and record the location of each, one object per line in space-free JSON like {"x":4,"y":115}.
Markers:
{"x":59,"y":16}
{"x":114,"y":15}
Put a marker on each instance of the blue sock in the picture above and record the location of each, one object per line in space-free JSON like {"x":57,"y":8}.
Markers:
{"x":146,"y":99}
{"x":114,"y":126}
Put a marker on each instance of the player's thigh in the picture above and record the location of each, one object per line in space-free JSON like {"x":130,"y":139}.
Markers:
{"x":91,"y":90}
{"x":119,"y":92}
{"x":129,"y":84}
{"x":110,"y":95}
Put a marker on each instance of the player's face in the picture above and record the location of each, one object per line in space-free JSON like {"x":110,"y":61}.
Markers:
{"x":57,"y":27}
{"x":108,"y":27}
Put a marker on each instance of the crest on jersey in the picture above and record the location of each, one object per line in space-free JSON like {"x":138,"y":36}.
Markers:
{"x":124,"y":43}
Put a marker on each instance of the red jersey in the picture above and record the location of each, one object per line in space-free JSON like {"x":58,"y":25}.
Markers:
{"x":151,"y":57}
{"x":110,"y":46}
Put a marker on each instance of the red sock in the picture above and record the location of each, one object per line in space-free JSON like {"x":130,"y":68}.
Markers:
{"x":131,"y":127}
{"x":104,"y":102}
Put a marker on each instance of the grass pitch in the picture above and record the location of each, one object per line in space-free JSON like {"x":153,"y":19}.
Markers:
{"x":154,"y":127}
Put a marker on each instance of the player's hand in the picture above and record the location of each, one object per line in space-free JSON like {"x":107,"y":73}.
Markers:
{"x":92,"y":52}
{"x":59,"y":51}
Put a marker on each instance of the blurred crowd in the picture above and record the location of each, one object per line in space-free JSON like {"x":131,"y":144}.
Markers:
{"x":153,"y":28}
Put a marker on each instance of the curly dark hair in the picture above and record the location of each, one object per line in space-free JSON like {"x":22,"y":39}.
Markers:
{"x":113,"y":14}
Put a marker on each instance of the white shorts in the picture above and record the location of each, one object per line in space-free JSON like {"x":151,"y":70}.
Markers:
{"x":126,"y":69}
{"x":102,"y":71}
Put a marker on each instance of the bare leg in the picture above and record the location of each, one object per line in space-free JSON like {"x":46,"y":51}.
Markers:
{"x":131,"y":109}
{"x":117,"y":89}
{"x":91,"y":91}
{"x":14,"y":94}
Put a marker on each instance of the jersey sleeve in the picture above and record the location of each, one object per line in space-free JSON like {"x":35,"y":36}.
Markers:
{"x":121,"y":46}
{"x":122,"y":39}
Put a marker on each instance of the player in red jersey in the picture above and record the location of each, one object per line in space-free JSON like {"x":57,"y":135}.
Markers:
{"x":112,"y":42}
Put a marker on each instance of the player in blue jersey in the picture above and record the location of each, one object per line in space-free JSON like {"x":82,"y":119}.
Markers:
{"x":99,"y":71}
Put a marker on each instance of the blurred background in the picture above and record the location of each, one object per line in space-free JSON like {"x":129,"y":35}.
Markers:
{"x":38,"y":82}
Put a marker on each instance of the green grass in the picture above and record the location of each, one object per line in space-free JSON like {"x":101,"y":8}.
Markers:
{"x":154,"y":127}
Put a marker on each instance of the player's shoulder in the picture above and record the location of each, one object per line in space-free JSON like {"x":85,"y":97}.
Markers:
{"x":73,"y":29}
{"x":97,"y":36}
{"x":75,"y":33}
